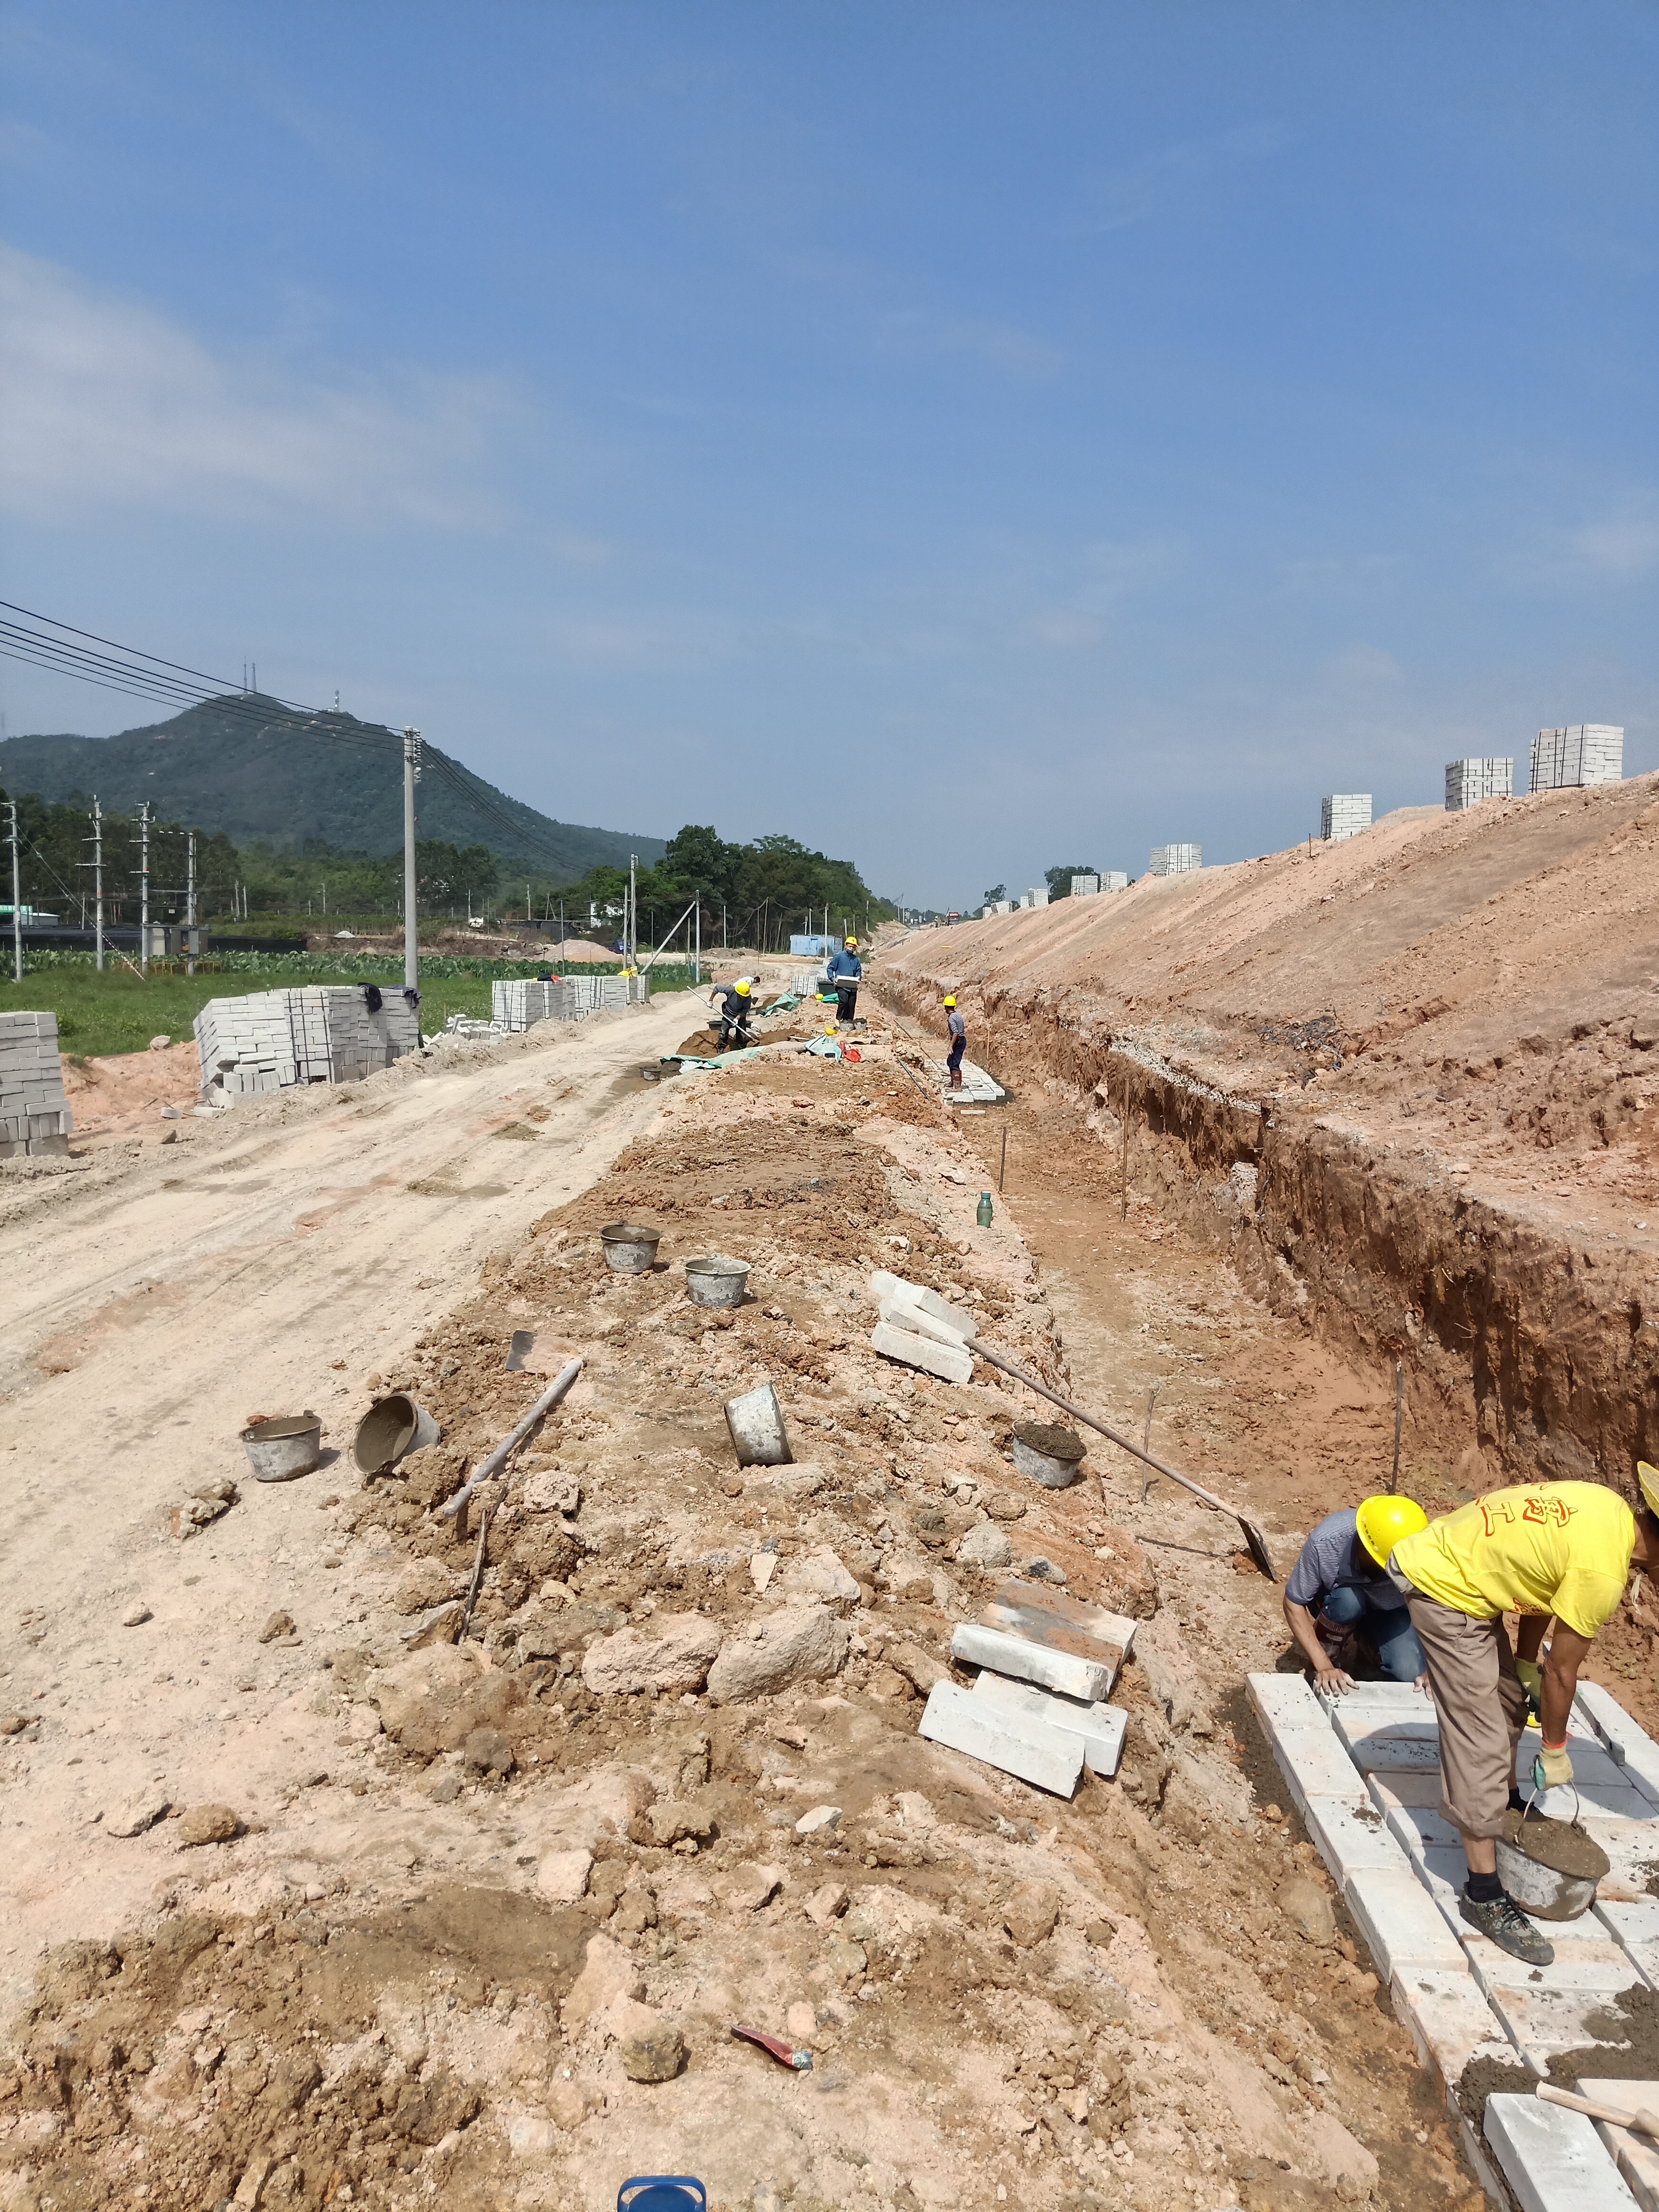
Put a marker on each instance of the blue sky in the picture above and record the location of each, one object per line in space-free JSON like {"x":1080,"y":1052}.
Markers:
{"x":969,"y":438}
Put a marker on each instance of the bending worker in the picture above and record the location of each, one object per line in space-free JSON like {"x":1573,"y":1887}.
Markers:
{"x":844,"y":970}
{"x":958,"y":1029}
{"x":1342,"y":1575}
{"x":734,"y":1006}
{"x":1550,"y":1548}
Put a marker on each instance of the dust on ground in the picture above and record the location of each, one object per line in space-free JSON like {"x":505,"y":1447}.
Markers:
{"x":472,"y":1922}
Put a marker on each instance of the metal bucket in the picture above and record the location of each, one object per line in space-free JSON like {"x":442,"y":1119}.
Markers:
{"x":286,"y":1445}
{"x":1543,"y":1891}
{"x":630,"y":1250}
{"x":716,"y":1281}
{"x":756,"y":1421}
{"x":391,"y":1429}
{"x":1049,"y":1454}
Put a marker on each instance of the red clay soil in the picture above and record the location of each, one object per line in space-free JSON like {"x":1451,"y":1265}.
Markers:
{"x":1409,"y":1082}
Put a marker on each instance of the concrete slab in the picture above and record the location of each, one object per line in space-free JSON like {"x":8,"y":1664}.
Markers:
{"x":1592,"y":1961}
{"x":1388,"y":1791}
{"x":1367,"y":1724}
{"x":1349,"y":1835}
{"x":945,"y":1360}
{"x":1100,"y":1727}
{"x":1015,"y":1743}
{"x":1637,"y":2157}
{"x":1115,"y":1630}
{"x":1285,"y":1701}
{"x":1315,"y":1765}
{"x":1448,"y":2020}
{"x":1632,"y":1846}
{"x":1634,"y":1928}
{"x":1403,"y":1700}
{"x":1400,"y":1921}
{"x":1384,"y":1751}
{"x":1553,"y":2160}
{"x":1419,"y":1828}
{"x":1593,"y":1765}
{"x":1085,"y":1680}
{"x":1542,"y":2022}
{"x":1628,"y":1743}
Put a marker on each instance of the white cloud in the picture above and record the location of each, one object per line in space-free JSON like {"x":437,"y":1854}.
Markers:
{"x":104,"y":401}
{"x":1001,"y":346}
{"x":1626,"y":547}
{"x":1177,"y":174}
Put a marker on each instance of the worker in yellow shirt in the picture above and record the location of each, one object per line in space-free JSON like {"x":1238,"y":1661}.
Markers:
{"x":1560,"y":1549}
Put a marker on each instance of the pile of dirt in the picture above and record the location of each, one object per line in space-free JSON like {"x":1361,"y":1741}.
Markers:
{"x":673,"y":1780}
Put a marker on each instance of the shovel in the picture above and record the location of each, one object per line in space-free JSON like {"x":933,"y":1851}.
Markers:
{"x":1641,"y":2121}
{"x":1252,"y":1532}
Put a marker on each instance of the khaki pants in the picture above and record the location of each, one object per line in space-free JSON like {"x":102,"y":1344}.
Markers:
{"x":1482,"y":1709}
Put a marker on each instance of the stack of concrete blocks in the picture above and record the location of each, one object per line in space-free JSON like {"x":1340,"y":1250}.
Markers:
{"x":1003,"y":906}
{"x":273,"y":1040}
{"x":35,"y":1114}
{"x":1115,"y":879}
{"x":1469,"y":781}
{"x":1586,"y":753}
{"x":1085,"y":886}
{"x":1035,"y":897}
{"x":1175,"y":859}
{"x":1344,"y":814}
{"x":1364,"y":1773}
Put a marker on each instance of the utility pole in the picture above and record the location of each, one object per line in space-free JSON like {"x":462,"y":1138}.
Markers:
{"x":16,"y":910}
{"x":190,"y":905}
{"x":144,"y":887}
{"x":696,"y":956}
{"x":411,"y":772}
{"x":633,"y":910}
{"x":97,"y":876}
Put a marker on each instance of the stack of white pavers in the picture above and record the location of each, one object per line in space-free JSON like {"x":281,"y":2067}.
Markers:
{"x":1175,"y":859}
{"x":520,"y":1003}
{"x":1469,"y":781}
{"x":1584,"y":753}
{"x":271,"y":1041}
{"x":1365,"y":1773}
{"x":1344,"y":814}
{"x":35,"y":1114}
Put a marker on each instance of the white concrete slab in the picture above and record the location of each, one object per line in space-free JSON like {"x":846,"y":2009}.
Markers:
{"x":948,"y":1362}
{"x":1388,"y":1791}
{"x":1101,"y":1727}
{"x":1359,"y":1724}
{"x":1015,"y":1743}
{"x":1400,"y":1921}
{"x":1636,"y":2156}
{"x":1389,"y":1750}
{"x":1315,"y":1765}
{"x":1449,"y":2020}
{"x":1553,"y":2160}
{"x":1628,"y":1743}
{"x":1632,"y":1848}
{"x":1420,"y":1828}
{"x":1635,"y":1928}
{"x":1285,"y":1701}
{"x":1349,"y":1835}
{"x":1083,"y":1679}
{"x":1401,"y":1700}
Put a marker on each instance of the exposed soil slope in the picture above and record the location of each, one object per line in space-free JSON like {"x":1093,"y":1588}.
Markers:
{"x":1411,"y":1080}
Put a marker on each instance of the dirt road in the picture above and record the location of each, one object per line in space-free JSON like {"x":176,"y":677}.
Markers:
{"x":270,"y":1261}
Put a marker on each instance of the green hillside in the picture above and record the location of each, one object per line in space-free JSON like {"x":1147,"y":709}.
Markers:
{"x":249,"y":767}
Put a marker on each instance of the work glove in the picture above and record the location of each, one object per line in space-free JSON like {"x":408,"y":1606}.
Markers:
{"x":1532,"y":1681}
{"x":1552,"y":1767}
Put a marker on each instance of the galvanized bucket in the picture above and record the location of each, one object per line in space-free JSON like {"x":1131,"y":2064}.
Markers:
{"x":630,"y":1248}
{"x":716,"y":1281}
{"x":1543,"y":1891}
{"x":286,"y":1445}
{"x":755,"y":1420}
{"x":391,"y":1429}
{"x":1049,"y":1454}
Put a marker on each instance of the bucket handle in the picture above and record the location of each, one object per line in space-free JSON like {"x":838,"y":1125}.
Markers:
{"x":1532,"y":1800}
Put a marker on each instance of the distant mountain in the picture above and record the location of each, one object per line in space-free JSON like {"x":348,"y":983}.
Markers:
{"x":262,"y":773}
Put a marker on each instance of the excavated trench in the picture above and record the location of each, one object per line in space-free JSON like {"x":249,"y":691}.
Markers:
{"x":1530,"y":1347}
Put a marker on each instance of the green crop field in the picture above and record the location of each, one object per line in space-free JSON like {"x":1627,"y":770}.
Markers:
{"x":120,"y":1012}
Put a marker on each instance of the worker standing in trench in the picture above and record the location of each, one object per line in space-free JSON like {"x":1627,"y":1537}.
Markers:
{"x":844,"y":970}
{"x":958,"y":1031}
{"x":1560,"y":1549}
{"x":1341,"y":1577}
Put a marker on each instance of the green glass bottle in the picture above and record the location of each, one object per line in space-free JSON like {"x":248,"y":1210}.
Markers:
{"x":984,"y":1210}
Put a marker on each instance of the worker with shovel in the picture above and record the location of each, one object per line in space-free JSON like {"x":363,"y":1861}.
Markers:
{"x":1560,"y":1549}
{"x":958,"y":1029}
{"x":1340,"y":1584}
{"x":844,"y":970}
{"x":734,"y":1004}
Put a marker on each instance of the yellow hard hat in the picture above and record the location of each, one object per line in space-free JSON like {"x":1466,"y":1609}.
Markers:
{"x":1383,"y":1522}
{"x":951,"y":1002}
{"x":742,"y":986}
{"x":1648,"y":1477}
{"x":829,"y":1028}
{"x":851,"y":943}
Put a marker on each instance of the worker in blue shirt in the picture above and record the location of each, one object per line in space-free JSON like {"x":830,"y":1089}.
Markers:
{"x":844,"y":970}
{"x":735,"y":1006}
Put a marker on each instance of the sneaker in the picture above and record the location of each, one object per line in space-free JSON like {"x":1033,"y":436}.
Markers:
{"x":1504,"y":1922}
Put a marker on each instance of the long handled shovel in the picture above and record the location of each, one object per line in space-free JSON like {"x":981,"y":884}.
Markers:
{"x":1250,"y":1530}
